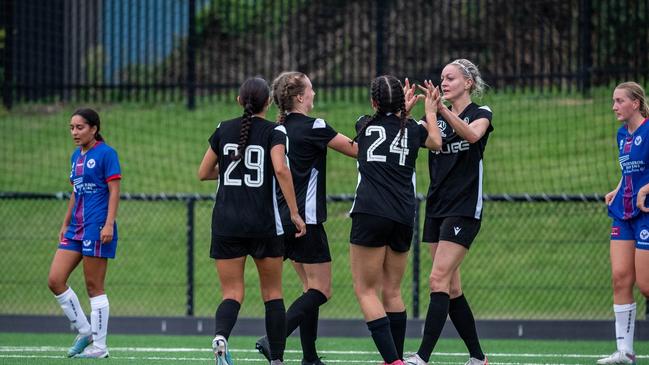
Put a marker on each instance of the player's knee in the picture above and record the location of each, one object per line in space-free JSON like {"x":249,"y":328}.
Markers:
{"x":439,"y":280}
{"x":454,"y":292}
{"x":622,"y":279}
{"x":56,"y":285}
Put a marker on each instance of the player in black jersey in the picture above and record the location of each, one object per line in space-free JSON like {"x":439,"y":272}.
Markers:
{"x":250,"y":154}
{"x":454,"y":205}
{"x":384,"y":207}
{"x":308,"y":139}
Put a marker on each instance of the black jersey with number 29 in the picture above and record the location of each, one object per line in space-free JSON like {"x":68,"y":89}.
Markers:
{"x":386,"y":168}
{"x":246,"y":203}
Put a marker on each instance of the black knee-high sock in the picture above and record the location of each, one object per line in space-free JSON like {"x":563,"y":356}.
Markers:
{"x":225,"y":317}
{"x":462,"y":317}
{"x":435,"y":319}
{"x":276,"y":328}
{"x":380,"y":329}
{"x":309,"y":334}
{"x":398,"y":322}
{"x":303,"y":305}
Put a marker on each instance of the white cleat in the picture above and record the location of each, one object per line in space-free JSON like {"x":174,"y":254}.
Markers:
{"x":618,"y":358}
{"x":474,"y":361}
{"x":92,"y":352}
{"x":414,"y":360}
{"x":221,"y":352}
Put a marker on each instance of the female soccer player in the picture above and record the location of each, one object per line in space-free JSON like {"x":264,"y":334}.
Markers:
{"x":88,"y":233}
{"x":383,"y":211}
{"x":630,"y":228}
{"x":454,"y":205}
{"x":308,"y":139}
{"x":250,"y":154}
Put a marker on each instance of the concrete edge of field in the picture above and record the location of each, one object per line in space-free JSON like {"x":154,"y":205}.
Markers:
{"x":497,"y":329}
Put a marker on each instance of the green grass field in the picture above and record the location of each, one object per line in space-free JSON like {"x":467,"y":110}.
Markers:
{"x":49,"y":349}
{"x":531,"y":260}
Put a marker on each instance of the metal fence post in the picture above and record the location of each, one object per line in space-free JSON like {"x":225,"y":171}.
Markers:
{"x":7,"y":23}
{"x":381,"y":14}
{"x":190,"y":257}
{"x":191,"y":57}
{"x":585,"y":63}
{"x":415,"y":263}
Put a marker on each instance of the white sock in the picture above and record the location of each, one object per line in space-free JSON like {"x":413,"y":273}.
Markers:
{"x":624,"y":326}
{"x":99,"y":320}
{"x":72,"y":308}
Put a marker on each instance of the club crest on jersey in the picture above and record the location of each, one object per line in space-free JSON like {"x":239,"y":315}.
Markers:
{"x":442,"y":126}
{"x":638,"y":140}
{"x":644,"y":234}
{"x":91,"y":163}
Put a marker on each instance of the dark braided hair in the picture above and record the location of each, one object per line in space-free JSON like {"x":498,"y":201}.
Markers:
{"x":253,"y":96}
{"x":286,"y":87}
{"x":387,"y":94}
{"x":92,"y":119}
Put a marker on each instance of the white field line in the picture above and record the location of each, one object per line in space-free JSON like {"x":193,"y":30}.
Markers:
{"x":248,"y":360}
{"x":209,"y":350}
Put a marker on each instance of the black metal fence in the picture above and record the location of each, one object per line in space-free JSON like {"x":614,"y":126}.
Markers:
{"x":185,"y":50}
{"x":551,"y":263}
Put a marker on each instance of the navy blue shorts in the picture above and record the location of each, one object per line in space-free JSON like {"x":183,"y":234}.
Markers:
{"x":93,"y":248}
{"x":634,"y":229}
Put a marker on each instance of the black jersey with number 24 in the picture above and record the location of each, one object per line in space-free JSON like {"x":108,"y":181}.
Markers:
{"x":386,"y":168}
{"x":246,"y":203}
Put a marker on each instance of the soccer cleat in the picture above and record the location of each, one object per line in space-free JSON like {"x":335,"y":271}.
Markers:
{"x":474,"y":361}
{"x":618,"y":358}
{"x":92,"y":352}
{"x":80,"y":343}
{"x":221,"y":352}
{"x":414,"y":360}
{"x":263,"y":347}
{"x":317,"y":362}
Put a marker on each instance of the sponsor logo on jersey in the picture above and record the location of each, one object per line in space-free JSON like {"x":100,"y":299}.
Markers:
{"x":87,"y":243}
{"x":466,"y":120}
{"x":621,"y":143}
{"x":644,"y":234}
{"x":454,"y":147}
{"x":91,"y":163}
{"x":638,"y":140}
{"x":457,"y":230}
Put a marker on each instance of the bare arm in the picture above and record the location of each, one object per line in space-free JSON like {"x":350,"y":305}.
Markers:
{"x":344,"y":145}
{"x":209,"y":169}
{"x":285,"y":180}
{"x":470,"y":132}
{"x":431,"y":102}
{"x":68,"y":216}
{"x":608,"y":198}
{"x":106,"y":234}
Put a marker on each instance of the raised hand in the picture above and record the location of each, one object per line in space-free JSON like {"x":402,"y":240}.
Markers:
{"x":409,"y":94}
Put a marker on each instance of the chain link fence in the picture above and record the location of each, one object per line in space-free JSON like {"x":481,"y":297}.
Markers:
{"x":539,"y":259}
